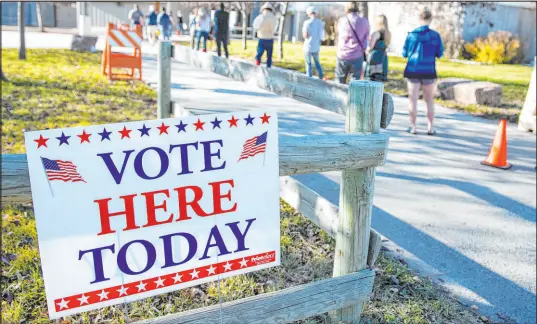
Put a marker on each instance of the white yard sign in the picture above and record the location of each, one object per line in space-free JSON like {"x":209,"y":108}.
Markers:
{"x":131,"y":210}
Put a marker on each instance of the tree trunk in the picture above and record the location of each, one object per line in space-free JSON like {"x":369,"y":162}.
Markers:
{"x":280,"y":30}
{"x":244,"y":29}
{"x":3,"y":77}
{"x":39,"y":16}
{"x":22,"y":41}
{"x":364,"y":9}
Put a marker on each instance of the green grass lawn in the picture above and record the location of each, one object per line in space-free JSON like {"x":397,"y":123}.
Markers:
{"x":307,"y":255}
{"x":513,"y":78}
{"x":57,"y":88}
{"x":61,"y":88}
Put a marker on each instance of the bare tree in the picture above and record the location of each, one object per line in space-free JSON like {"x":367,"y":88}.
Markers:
{"x":22,"y":40}
{"x":449,"y":19}
{"x":3,"y":77}
{"x":243,"y":8}
{"x":282,"y":8}
{"x":39,"y":16}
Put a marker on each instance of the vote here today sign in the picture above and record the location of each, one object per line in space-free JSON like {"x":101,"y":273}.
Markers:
{"x":130,"y":210}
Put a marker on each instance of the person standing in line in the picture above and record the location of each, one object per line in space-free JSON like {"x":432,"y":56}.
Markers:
{"x":313,"y":32}
{"x":353,"y":32}
{"x":192,"y":27}
{"x":151,"y":25}
{"x":136,"y":16}
{"x":422,"y":46}
{"x":221,"y":29}
{"x":203,"y":28}
{"x":165,"y":24}
{"x":265,"y":25}
{"x":376,"y":53}
{"x":179,"y":22}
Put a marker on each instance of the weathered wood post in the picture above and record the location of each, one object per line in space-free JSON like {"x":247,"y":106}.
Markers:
{"x":527,"y":118}
{"x":164,"y":77}
{"x":356,"y":192}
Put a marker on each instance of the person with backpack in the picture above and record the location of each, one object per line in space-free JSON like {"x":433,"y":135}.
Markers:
{"x":422,"y":47}
{"x":165,"y":25}
{"x":151,"y":23}
{"x":221,"y":29}
{"x":376,"y":57}
{"x":353,"y":32}
{"x":313,"y":32}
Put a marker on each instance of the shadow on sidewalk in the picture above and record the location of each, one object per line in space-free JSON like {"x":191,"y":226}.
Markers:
{"x":494,"y":288}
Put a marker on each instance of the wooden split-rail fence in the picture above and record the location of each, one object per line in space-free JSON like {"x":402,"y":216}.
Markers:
{"x":355,"y":153}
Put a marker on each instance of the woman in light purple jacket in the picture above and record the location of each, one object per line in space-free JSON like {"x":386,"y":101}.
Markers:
{"x":353,"y":33}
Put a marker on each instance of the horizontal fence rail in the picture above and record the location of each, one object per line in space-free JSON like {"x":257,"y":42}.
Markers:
{"x":298,"y":155}
{"x":323,"y":94}
{"x":291,"y":304}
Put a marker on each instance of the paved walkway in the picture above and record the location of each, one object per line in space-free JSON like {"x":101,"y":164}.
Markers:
{"x":454,"y":219}
{"x":471,"y":226}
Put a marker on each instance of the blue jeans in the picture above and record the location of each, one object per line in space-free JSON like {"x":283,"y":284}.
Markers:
{"x":344,"y":68}
{"x":318,"y":66}
{"x":262,"y":46}
{"x":199,"y":35}
{"x":165,"y":32}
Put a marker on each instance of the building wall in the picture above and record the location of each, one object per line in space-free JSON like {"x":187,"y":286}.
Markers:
{"x":66,"y":16}
{"x":10,"y":11}
{"x":399,"y":22}
{"x":102,"y":13}
{"x":519,"y":20}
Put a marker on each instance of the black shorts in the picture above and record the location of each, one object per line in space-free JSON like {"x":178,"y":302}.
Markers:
{"x":421,"y":81}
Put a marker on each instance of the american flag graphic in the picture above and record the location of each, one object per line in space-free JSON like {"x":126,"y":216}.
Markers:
{"x":61,"y":170}
{"x":253,"y":146}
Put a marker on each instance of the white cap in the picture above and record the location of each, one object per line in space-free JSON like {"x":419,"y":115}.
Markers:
{"x":151,"y":8}
{"x":311,"y":9}
{"x":267,"y":5}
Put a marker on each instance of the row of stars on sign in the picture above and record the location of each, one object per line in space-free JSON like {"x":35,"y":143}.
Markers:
{"x":154,"y":283}
{"x":144,"y":131}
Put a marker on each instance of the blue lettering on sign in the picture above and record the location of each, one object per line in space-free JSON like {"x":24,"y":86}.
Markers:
{"x":211,"y":156}
{"x":215,"y":240}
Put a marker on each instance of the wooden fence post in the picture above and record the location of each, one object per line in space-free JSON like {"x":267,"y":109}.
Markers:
{"x":356,"y":194}
{"x":164,"y":78}
{"x":526,"y":120}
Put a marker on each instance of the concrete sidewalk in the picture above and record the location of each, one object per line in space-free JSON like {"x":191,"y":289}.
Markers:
{"x":472,"y":226}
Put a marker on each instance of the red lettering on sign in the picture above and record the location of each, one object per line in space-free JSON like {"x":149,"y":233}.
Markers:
{"x":183,"y":203}
{"x":151,"y":207}
{"x":105,"y":214}
{"x":218,"y":196}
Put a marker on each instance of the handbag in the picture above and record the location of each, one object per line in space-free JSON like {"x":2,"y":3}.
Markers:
{"x":355,"y":34}
{"x":376,"y":55}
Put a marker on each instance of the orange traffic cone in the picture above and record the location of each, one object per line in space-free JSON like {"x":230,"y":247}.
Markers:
{"x":498,"y":151}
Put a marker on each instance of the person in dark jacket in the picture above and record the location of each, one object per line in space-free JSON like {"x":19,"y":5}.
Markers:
{"x":165,"y":24}
{"x":422,"y":46}
{"x":221,"y":29}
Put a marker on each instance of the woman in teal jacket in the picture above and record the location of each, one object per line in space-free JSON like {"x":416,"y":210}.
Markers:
{"x":422,"y":46}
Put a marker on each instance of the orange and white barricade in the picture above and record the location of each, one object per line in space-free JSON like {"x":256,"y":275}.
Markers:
{"x":122,"y":50}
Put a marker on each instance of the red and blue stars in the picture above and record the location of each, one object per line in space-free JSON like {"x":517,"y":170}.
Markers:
{"x":145,"y":131}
